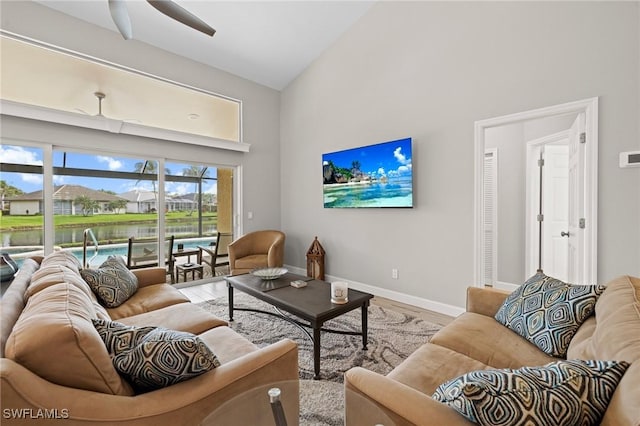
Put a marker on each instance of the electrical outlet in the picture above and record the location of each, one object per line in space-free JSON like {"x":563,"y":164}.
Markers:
{"x":394,"y":273}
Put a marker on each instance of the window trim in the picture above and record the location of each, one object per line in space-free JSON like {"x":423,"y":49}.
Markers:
{"x":35,"y":112}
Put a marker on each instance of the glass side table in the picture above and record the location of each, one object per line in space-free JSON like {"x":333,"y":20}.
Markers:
{"x":271,"y":405}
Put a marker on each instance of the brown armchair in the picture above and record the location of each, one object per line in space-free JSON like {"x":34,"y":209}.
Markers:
{"x":256,"y":250}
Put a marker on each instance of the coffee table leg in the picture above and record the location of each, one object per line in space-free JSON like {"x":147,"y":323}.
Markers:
{"x":316,"y":352}
{"x":230,"y":302}
{"x":365,"y":323}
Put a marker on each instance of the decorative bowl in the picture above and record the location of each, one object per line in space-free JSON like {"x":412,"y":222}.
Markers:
{"x":269,"y":273}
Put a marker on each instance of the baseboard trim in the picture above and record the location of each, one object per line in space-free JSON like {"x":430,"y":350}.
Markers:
{"x":441,"y":308}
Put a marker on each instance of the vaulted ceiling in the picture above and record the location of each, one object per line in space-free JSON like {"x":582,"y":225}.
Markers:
{"x":269,"y":42}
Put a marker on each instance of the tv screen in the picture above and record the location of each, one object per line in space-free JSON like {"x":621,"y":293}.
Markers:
{"x":377,"y":175}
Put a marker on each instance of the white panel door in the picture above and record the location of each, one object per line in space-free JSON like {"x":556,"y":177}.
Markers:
{"x":555,"y":244}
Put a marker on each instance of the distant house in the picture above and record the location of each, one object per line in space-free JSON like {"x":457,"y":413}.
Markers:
{"x":140,"y":201}
{"x":144,"y":201}
{"x":63,"y":201}
{"x":181,"y":202}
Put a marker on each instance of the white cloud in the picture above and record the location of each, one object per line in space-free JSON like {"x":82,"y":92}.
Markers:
{"x":381,"y":171}
{"x":18,"y":155}
{"x":112,"y":162}
{"x":60,"y":180}
{"x":210,"y":189}
{"x":402,"y":159}
{"x":180,"y":188}
{"x":34,"y":179}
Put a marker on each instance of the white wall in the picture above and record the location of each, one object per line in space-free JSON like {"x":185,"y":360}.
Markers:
{"x":260,"y":105}
{"x":429,"y":70}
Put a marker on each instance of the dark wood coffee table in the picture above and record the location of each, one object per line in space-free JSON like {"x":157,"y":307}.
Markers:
{"x":311,"y":304}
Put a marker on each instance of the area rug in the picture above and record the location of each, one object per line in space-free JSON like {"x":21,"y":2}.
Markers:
{"x":392,"y":337}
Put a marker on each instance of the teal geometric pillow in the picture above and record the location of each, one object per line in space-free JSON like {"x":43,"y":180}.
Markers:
{"x":154,"y":357}
{"x":561,"y":393}
{"x":548,"y":312}
{"x":113,"y":283}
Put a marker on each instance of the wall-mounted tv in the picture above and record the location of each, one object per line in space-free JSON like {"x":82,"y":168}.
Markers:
{"x":377,"y":175}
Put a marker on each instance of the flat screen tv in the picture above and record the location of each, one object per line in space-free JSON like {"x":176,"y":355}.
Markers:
{"x":377,"y":175}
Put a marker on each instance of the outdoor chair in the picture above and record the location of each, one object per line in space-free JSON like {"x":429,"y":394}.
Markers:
{"x":256,"y":249}
{"x":217,"y":254}
{"x":143,"y":253}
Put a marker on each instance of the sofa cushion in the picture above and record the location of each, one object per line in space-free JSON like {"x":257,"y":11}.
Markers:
{"x":574,"y":392}
{"x":548,"y":312}
{"x":505,"y":349}
{"x":614,"y":332}
{"x":227,"y":344}
{"x":55,"y":339}
{"x":182,"y":316}
{"x":112,"y":282}
{"x":147,"y":299}
{"x":55,"y":274}
{"x":62,"y":258}
{"x":52,"y":274}
{"x":430,"y":365}
{"x":155,"y":357}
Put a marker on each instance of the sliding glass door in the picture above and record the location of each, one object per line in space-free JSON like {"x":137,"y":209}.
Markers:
{"x":117,"y":197}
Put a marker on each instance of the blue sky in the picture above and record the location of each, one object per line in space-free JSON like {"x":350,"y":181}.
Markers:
{"x":384,"y":159}
{"x":32,"y":182}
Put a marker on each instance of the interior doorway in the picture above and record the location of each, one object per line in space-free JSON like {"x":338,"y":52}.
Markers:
{"x":567,"y":196}
{"x":547,"y":200}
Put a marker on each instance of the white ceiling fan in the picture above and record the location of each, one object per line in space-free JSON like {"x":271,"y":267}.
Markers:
{"x":111,"y":124}
{"x":120,"y":16}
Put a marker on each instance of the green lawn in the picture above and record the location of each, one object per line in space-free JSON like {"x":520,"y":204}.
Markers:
{"x":33,"y":222}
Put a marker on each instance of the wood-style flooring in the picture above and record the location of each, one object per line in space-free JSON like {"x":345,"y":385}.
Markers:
{"x":213,"y":290}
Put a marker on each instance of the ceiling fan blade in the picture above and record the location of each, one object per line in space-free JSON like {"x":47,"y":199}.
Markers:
{"x":172,"y":10}
{"x":120,"y":17}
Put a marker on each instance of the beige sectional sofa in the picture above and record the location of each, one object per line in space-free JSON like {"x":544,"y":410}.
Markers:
{"x":55,"y":365}
{"x":476,"y":341}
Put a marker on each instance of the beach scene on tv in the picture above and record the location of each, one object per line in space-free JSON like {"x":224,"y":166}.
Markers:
{"x":377,"y":175}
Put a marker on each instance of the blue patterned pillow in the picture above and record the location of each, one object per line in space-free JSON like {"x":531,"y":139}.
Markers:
{"x":548,"y":312}
{"x":113,"y":283}
{"x":154,"y":357}
{"x":561,"y":393}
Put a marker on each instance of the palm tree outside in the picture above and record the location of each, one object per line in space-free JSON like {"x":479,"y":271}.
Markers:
{"x":148,"y":167}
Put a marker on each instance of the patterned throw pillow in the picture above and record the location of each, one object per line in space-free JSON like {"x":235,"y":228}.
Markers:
{"x":561,"y":393}
{"x":548,"y":312}
{"x":113,"y":283}
{"x":154,"y":357}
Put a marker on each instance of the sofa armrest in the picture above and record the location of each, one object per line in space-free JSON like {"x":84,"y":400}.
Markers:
{"x":184,"y":403}
{"x":399,"y":403}
{"x":150,"y":276}
{"x":485,"y":300}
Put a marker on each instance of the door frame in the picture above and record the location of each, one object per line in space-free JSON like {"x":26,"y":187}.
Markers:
{"x":590,"y":210}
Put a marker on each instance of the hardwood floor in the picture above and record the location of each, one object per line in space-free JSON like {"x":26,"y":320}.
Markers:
{"x":212,"y":290}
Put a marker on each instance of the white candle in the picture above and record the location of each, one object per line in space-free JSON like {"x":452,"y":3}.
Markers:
{"x":339,"y":291}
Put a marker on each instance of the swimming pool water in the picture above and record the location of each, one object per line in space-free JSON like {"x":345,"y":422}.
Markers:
{"x":116,"y":250}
